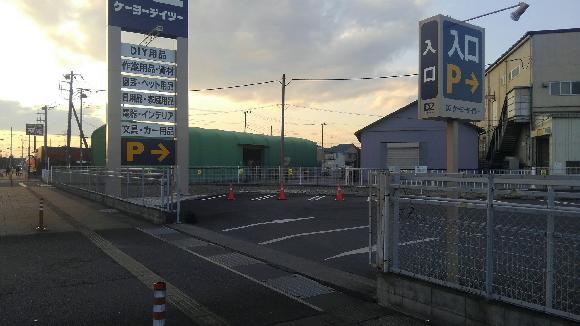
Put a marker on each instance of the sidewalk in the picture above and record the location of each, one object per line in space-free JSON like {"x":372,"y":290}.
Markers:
{"x":19,"y":212}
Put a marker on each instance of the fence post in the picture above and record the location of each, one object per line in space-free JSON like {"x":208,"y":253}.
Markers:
{"x":370,"y":200}
{"x":490,"y":227}
{"x":550,"y":249}
{"x":395,"y":225}
{"x":143,"y":185}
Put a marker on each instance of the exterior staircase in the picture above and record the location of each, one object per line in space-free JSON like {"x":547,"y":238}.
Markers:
{"x":503,"y":142}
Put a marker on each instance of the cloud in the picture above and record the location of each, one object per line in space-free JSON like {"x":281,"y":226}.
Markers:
{"x":76,"y":25}
{"x":233,"y":42}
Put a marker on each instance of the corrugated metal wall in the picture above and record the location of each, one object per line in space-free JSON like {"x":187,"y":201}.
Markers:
{"x":565,"y":141}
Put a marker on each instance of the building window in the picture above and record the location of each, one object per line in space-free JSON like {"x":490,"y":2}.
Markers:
{"x":565,"y":88}
{"x":514,"y":73}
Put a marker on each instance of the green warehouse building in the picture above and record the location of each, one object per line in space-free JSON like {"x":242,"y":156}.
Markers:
{"x":209,"y":147}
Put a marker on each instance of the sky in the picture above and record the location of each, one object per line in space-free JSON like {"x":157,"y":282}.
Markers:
{"x":238,"y":42}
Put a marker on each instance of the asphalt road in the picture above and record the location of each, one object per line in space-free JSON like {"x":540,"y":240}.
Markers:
{"x":334,"y":233}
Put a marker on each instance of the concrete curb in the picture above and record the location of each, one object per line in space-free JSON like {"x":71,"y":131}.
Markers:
{"x":348,"y":283}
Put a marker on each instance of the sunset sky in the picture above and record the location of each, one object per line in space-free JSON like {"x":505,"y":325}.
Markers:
{"x":237,"y":42}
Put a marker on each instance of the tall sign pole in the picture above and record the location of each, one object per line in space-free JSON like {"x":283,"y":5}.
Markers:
{"x":451,"y":59}
{"x":147,"y":110}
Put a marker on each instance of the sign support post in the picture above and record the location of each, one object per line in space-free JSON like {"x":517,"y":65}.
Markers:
{"x":182,"y":118}
{"x":113,"y":186}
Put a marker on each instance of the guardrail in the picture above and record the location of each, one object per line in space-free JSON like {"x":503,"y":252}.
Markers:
{"x":523,"y":253}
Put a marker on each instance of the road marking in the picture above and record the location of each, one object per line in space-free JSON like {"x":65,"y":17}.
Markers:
{"x":311,"y":233}
{"x":22,"y":185}
{"x":316,"y":198}
{"x":282,"y":221}
{"x":359,"y":251}
{"x":248,"y":277}
{"x":213,"y":197}
{"x":264,"y":197}
{"x":417,"y":241}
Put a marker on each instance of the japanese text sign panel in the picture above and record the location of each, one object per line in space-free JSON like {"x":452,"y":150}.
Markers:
{"x":147,"y":151}
{"x":143,"y":16}
{"x":451,"y":58}
{"x":148,"y":84}
{"x":33,"y":129}
{"x":147,"y":99}
{"x":147,"y":53}
{"x":149,"y":130}
{"x":145,"y":114}
{"x":147,"y":68}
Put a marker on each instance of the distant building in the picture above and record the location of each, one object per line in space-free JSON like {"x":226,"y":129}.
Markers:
{"x":402,"y":140}
{"x":213,"y":148}
{"x":341,"y":156}
{"x":533,"y":103}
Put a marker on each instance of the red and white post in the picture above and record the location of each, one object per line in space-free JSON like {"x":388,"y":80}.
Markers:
{"x":159,"y":292}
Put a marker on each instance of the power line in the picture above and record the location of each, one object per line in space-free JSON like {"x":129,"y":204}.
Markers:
{"x":235,"y":111}
{"x":232,"y":87}
{"x":333,"y":111}
{"x":355,"y":78}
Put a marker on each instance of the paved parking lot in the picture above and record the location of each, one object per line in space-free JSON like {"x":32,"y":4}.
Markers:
{"x":335,"y":233}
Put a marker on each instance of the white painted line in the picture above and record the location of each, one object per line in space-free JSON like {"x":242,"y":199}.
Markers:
{"x":311,"y":233}
{"x":282,"y":221}
{"x":22,"y":185}
{"x":359,"y":251}
{"x":417,"y":241}
{"x":313,"y":198}
{"x":320,"y":198}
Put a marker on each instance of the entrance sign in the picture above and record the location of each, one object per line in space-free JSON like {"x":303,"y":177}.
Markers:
{"x":148,"y":68}
{"x":149,"y":130}
{"x":143,"y":16}
{"x":148,"y":84}
{"x":146,"y":114}
{"x":147,"y":99}
{"x":451,"y":58}
{"x":34,"y":129}
{"x":147,"y":53}
{"x":147,"y":151}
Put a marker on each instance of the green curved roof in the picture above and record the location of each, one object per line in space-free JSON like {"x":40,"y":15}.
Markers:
{"x":212,"y":147}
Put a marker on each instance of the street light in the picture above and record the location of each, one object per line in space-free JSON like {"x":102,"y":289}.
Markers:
{"x":515,"y":15}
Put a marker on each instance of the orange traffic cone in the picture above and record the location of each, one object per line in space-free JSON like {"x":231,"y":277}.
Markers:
{"x":231,"y":195}
{"x":339,"y":194}
{"x":282,"y":194}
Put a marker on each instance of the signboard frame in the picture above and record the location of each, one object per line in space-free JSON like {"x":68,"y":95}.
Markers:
{"x":437,"y":103}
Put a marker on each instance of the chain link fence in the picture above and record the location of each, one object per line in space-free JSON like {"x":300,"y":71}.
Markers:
{"x":521,"y":252}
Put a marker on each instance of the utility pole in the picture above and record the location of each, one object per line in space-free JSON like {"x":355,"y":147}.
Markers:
{"x":44,"y":148}
{"x":282,"y":154}
{"x":322,"y":145}
{"x":245,"y":119}
{"x":10,"y":159}
{"x":271,"y":130}
{"x":82,"y":95}
{"x":70,"y":104}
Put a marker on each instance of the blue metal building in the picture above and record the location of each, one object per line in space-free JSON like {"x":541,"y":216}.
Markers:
{"x":402,"y":140}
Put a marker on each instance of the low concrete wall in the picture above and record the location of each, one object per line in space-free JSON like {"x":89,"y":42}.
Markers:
{"x":445,"y":306}
{"x":152,"y":215}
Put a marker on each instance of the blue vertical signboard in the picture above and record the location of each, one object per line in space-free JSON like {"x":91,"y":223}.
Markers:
{"x":451,"y":58}
{"x":143,"y":16}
